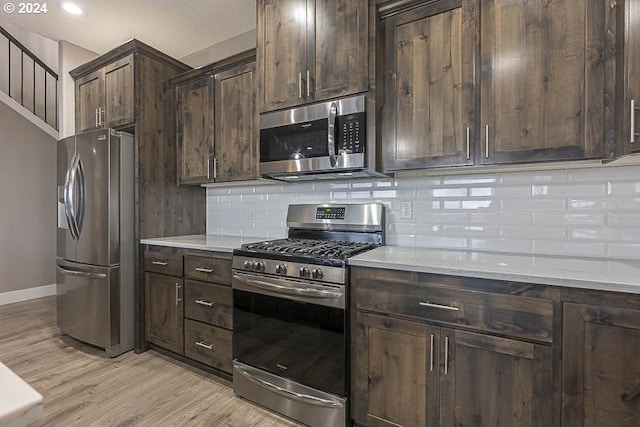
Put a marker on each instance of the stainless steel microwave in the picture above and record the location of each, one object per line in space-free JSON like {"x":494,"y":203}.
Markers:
{"x":323,"y":140}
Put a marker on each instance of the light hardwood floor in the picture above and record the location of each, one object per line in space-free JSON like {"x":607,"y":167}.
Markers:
{"x":83,"y":387}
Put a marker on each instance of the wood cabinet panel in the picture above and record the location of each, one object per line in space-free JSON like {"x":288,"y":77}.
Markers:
{"x":395,"y":379}
{"x":209,"y":303}
{"x":163,"y":261}
{"x":430,"y":86}
{"x":600,"y":366}
{"x":533,"y":54}
{"x":208,"y":344}
{"x":119,"y":92}
{"x":629,"y":70}
{"x":493,"y":381}
{"x":164,"y":311}
{"x":281,"y":34}
{"x":514,"y":315}
{"x":209,"y":269}
{"x":337,"y":54}
{"x":195,"y":130}
{"x":89,"y":95}
{"x":236,"y":130}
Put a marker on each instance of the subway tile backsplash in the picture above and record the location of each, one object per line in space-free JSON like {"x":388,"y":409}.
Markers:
{"x":590,"y":212}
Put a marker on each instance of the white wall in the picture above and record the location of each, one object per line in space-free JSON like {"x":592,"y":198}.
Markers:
{"x":28,"y":204}
{"x":590,"y":212}
{"x":71,"y":56}
{"x":224,"y":49}
{"x":44,"y":48}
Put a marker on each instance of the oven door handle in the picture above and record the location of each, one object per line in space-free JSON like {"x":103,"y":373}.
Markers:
{"x":318,"y":401}
{"x":286,"y":290}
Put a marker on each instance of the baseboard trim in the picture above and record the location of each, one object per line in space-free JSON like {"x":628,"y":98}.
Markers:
{"x":27,"y":294}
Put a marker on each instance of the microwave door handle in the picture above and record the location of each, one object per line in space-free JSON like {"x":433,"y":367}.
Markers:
{"x":331,"y":134}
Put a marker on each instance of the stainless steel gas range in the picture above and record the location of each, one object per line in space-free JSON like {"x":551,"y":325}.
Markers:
{"x":290,"y":338}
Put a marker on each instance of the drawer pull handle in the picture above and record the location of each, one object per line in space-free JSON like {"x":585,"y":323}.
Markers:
{"x":203,"y":302}
{"x":444,"y":307}
{"x":204,"y":270}
{"x":203,"y":345}
{"x":162,"y":263}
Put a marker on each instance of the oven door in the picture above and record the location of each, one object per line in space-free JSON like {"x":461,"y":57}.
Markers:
{"x":292,"y":329}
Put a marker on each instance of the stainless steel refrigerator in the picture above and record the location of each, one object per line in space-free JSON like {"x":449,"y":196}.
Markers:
{"x":95,"y":241}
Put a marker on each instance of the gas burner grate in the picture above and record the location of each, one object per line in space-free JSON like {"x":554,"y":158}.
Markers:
{"x":326,"y":249}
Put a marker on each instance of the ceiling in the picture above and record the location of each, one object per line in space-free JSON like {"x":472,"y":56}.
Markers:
{"x":176,"y":27}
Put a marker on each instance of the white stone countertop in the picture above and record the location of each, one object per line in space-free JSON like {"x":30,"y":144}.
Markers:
{"x":204,"y":242}
{"x":603,"y":274}
{"x":20,"y":404}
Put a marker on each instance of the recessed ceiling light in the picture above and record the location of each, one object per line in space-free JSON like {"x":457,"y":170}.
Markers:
{"x":72,"y":8}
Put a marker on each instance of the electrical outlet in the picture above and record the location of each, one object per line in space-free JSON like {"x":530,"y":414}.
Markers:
{"x":406,"y":210}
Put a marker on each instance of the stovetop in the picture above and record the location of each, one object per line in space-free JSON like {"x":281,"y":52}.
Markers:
{"x":323,"y":249}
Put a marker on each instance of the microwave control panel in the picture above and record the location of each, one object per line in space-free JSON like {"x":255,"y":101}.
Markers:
{"x":350,"y":130}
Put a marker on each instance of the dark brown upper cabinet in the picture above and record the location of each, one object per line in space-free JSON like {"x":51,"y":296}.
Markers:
{"x":429,"y":76}
{"x":195,"y":130}
{"x":310,"y":50}
{"x":629,"y":79}
{"x":494,"y":82}
{"x":105,"y":97}
{"x":217,"y":122}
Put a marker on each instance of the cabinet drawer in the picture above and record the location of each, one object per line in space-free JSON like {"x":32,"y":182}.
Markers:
{"x":209,"y":303}
{"x":208,"y":269}
{"x":511,"y":315}
{"x":208,"y":344}
{"x":163,"y":261}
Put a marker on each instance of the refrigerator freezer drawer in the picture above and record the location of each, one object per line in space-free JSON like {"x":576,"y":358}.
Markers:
{"x":88,"y":306}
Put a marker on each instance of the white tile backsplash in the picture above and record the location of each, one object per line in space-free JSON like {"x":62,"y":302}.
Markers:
{"x":589,"y":212}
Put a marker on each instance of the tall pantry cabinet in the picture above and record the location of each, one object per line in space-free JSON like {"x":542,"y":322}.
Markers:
{"x":138,"y":94}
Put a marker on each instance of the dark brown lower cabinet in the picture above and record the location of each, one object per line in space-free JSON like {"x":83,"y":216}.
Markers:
{"x":415,"y":374}
{"x":600,"y":366}
{"x":164,"y":311}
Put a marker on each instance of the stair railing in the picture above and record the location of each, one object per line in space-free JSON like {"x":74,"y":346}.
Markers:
{"x":38,"y":87}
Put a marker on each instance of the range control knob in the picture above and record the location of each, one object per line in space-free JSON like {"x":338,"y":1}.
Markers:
{"x":259,"y":266}
{"x":249,"y":265}
{"x":305,"y":272}
{"x":316,"y":273}
{"x":281,"y":269}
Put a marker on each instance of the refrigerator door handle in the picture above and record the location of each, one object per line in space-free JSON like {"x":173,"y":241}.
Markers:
{"x":79,"y":217}
{"x":63,"y":270}
{"x":69,"y":185}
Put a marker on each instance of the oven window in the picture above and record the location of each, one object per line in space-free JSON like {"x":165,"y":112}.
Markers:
{"x":295,"y":141}
{"x":303,"y":342}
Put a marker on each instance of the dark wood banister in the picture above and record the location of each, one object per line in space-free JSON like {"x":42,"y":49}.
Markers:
{"x":28,"y":52}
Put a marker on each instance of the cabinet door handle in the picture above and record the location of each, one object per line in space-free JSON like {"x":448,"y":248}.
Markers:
{"x":178,"y":299}
{"x":299,"y":85}
{"x":203,"y":345}
{"x":443,"y":307}
{"x":97,"y":118}
{"x":308,"y":84}
{"x":632,"y":125}
{"x":468,"y":144}
{"x":431,"y":355}
{"x":101,"y":116}
{"x":446,"y":355}
{"x":162,"y":263}
{"x":486,"y":141}
{"x":203,"y":302}
{"x":204,"y":270}
{"x":215,"y":168}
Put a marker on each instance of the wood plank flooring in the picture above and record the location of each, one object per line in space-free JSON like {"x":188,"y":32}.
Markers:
{"x":83,"y":387}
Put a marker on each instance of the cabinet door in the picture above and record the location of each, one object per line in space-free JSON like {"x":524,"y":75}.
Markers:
{"x":164,"y":311}
{"x":630,"y":110}
{"x":89,"y":96}
{"x":542,"y":80}
{"x":395,"y":375}
{"x":119,"y":93}
{"x":281,"y":32}
{"x":490,"y":381}
{"x":337,"y":53}
{"x":195,"y":131}
{"x":236,"y":143}
{"x":600,"y":366}
{"x":430,"y":86}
